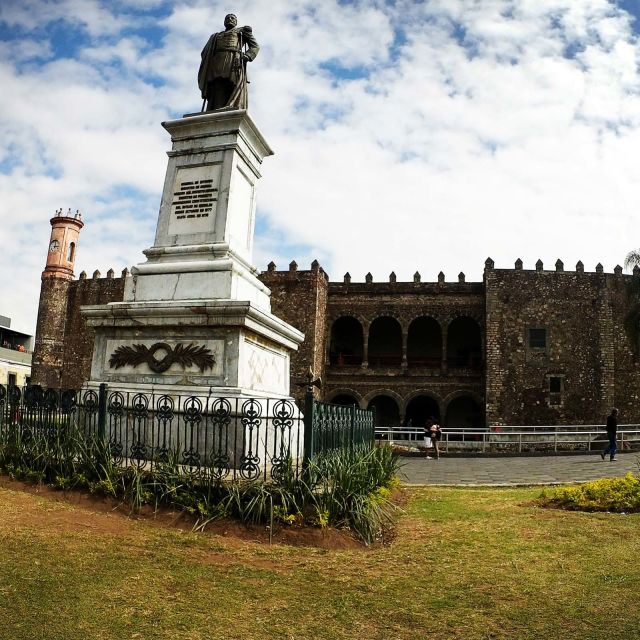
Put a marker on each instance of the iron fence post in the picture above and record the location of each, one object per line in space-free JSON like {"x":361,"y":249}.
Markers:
{"x":102,"y":410}
{"x":308,"y":428}
{"x":352,"y":426}
{"x":373,"y":427}
{"x":520,"y":442}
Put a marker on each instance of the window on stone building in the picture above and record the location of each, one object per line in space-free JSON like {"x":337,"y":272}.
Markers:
{"x":424,"y":343}
{"x":347,"y":341}
{"x":12,"y":379}
{"x":72,"y":252}
{"x":464,"y":343}
{"x":537,"y":338}
{"x":556,"y":387}
{"x":385,"y":342}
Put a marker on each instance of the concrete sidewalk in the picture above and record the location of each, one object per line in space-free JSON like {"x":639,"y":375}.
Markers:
{"x":506,"y":471}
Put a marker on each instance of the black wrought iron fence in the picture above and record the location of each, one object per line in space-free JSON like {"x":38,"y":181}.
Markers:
{"x":223,"y":438}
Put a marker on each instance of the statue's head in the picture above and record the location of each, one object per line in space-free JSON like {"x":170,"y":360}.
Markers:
{"x":230,"y":21}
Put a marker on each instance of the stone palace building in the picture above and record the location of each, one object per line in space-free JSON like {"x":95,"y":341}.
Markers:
{"x":521,"y":347}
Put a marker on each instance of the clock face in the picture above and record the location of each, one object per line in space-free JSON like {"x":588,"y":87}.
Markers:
{"x":54,"y":246}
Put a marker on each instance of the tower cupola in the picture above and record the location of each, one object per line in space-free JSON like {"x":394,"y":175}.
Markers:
{"x":65,"y":231}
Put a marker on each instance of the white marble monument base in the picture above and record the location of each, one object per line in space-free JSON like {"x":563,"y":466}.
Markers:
{"x":196,"y":272}
{"x":248,"y":348}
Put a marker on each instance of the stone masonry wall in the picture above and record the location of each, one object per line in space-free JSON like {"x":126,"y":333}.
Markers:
{"x":406,"y":301}
{"x":78,"y":337}
{"x":586,"y":347}
{"x":64,"y":344}
{"x":48,"y":352}
{"x":626,"y":369}
{"x":300,"y":299}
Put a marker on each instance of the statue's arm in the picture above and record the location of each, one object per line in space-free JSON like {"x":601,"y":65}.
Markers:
{"x":252,"y":43}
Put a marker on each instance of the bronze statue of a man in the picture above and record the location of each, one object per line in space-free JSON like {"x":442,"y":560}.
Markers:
{"x":223,"y":72}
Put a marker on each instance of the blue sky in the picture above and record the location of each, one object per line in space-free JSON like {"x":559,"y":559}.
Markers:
{"x":408,"y":135}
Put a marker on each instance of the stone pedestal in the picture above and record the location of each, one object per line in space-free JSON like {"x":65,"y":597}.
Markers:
{"x":195,"y":318}
{"x":204,"y":237}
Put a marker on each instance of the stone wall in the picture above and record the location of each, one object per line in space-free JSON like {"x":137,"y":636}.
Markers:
{"x":587,"y":350}
{"x":626,"y":369}
{"x":64,"y":344}
{"x":442,"y":381}
{"x":300,"y":299}
{"x":49,"y":347}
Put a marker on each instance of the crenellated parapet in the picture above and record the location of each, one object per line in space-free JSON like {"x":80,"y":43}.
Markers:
{"x":97,"y":275}
{"x":558,"y":267}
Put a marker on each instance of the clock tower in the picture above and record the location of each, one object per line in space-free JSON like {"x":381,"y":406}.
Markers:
{"x":57,"y":278}
{"x":65,"y":230}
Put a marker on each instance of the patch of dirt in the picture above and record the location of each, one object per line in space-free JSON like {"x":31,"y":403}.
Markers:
{"x":116,"y":518}
{"x":41,"y":515}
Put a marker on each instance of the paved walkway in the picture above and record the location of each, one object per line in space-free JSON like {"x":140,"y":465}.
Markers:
{"x":505,"y":470}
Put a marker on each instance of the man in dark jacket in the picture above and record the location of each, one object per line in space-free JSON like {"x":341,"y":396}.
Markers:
{"x":222,"y":76}
{"x":612,"y":432}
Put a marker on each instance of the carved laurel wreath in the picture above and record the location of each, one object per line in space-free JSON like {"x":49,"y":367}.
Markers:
{"x":140,"y":353}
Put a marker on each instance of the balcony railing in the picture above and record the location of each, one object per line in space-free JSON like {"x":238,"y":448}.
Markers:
{"x":428,"y":362}
{"x":13,"y":355}
{"x":385,"y":360}
{"x":472,"y":361}
{"x":344,"y":360}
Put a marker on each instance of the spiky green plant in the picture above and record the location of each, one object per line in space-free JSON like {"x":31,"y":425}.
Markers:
{"x":344,"y":488}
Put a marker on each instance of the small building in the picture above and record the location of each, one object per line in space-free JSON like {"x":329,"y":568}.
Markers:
{"x":15,"y":355}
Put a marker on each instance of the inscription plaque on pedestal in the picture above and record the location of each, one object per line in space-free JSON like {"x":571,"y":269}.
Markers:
{"x":195,"y":198}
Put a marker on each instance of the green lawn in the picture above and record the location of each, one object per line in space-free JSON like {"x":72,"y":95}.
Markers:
{"x":466,"y":564}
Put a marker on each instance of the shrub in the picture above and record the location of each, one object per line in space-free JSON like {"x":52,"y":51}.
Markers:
{"x":351,"y":489}
{"x":608,"y":494}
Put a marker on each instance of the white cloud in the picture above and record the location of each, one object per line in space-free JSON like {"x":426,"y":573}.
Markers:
{"x":471,"y":135}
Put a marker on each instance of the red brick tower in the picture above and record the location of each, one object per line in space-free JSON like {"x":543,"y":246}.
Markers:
{"x":65,"y":230}
{"x":48,"y":355}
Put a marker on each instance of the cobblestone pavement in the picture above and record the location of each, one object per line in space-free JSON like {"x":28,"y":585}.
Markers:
{"x":507,"y":471}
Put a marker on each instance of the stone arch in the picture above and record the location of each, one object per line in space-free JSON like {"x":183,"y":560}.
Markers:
{"x":346,"y":313}
{"x":424,"y":342}
{"x":464,"y":343}
{"x":337,"y":393}
{"x":387,"y":411}
{"x":383,"y":392}
{"x":464,"y":410}
{"x":345,"y":399}
{"x":385,"y":342}
{"x":419,"y":406}
{"x":462,"y":392}
{"x":346,"y":344}
{"x":72,"y":252}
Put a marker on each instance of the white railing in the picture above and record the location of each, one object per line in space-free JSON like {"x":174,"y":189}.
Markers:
{"x":520,"y":437}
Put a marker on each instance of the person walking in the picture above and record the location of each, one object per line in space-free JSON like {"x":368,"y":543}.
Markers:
{"x":435,"y":433}
{"x":612,"y":433}
{"x":427,"y":436}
